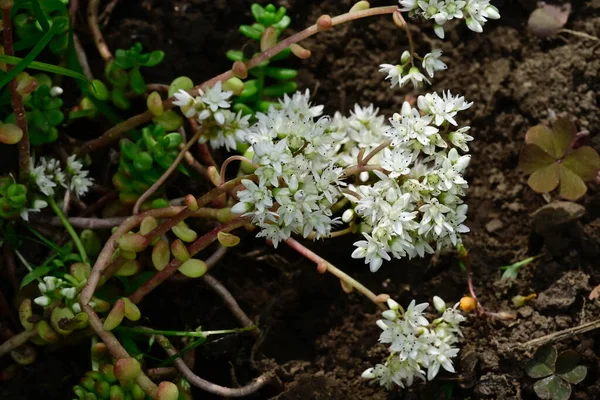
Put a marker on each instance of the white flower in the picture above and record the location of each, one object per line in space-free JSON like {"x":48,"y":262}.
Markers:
{"x":432,"y":62}
{"x":68,"y":293}
{"x":253,"y":198}
{"x":408,"y":5}
{"x":36,"y":207}
{"x":43,"y":301}
{"x":394,"y":73}
{"x":414,"y":314}
{"x":442,"y":108}
{"x":459,"y":138}
{"x":216,"y":98}
{"x":372,"y":251}
{"x":415,"y":77}
{"x":300,"y":104}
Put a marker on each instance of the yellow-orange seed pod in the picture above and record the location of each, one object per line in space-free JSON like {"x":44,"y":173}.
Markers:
{"x":468,"y":304}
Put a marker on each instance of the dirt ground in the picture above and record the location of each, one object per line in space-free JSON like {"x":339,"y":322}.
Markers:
{"x":320,"y":339}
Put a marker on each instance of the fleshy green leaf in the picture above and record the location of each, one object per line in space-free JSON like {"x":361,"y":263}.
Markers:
{"x":250,"y":32}
{"x":572,"y":187}
{"x":543,"y":362}
{"x":568,"y":369}
{"x":553,"y":388}
{"x":155,"y":58}
{"x":533,"y":158}
{"x":584,"y":161}
{"x":546,"y":179}
{"x":235,"y":55}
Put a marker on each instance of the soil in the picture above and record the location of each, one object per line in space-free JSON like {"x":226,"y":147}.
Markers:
{"x":318,"y":338}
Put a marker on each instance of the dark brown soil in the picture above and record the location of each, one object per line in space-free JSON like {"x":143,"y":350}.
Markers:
{"x":320,"y":339}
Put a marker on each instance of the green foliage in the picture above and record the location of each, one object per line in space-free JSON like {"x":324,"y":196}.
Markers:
{"x":551,"y":161}
{"x":34,"y":19}
{"x":103,"y":384}
{"x":143,"y":162}
{"x":556,"y":372}
{"x":13,"y":198}
{"x":512,"y":271}
{"x":124,"y":72}
{"x":267,"y":82}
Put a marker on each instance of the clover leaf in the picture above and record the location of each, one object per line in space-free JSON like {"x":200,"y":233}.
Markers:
{"x":551,"y":162}
{"x":558,"y":371}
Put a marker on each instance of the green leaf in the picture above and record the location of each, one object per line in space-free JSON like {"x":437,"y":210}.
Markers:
{"x":280,"y":89}
{"x":257,"y":11}
{"x":250,"y":89}
{"x":155,"y":58}
{"x":283,"y":24}
{"x":250,"y":32}
{"x":584,"y":161}
{"x":284,"y":74}
{"x":533,"y":158}
{"x":546,"y":179}
{"x":543,"y":362}
{"x":572,"y":187}
{"x":189,"y":347}
{"x":235,"y":55}
{"x":29,"y":58}
{"x":512,"y":271}
{"x":563,"y":133}
{"x":136,"y":81}
{"x":39,"y":15}
{"x":553,"y":388}
{"x":568,"y":369}
{"x":35,"y":274}
{"x":40,"y":66}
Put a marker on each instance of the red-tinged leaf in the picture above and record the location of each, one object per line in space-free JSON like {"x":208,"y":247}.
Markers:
{"x":546,"y":179}
{"x":533,"y":158}
{"x":541,"y":136}
{"x":572,"y":187}
{"x":584,"y":161}
{"x":563,"y":134}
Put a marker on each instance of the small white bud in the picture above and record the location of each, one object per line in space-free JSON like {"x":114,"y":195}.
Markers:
{"x":439,"y":31}
{"x":392,"y":304}
{"x":56,"y":91}
{"x":50,"y":282}
{"x":439,"y":304}
{"x":69,"y":293}
{"x":348,"y":215}
{"x":43,"y":288}
{"x":382,"y":325}
{"x":368,"y":374}
{"x":363,"y":176}
{"x":405,"y":57}
{"x":43,"y":301}
{"x":492,"y":12}
{"x":76,"y":308}
{"x":389,"y":315}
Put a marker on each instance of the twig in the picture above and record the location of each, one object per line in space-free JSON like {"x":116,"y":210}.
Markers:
{"x":580,"y":34}
{"x":17,"y":100}
{"x":230,"y":302}
{"x":192,"y":162}
{"x":92,"y":16}
{"x":162,"y":373}
{"x":156,"y":185}
{"x":108,"y":10}
{"x":118,"y":130}
{"x":67,"y":202}
{"x":200,"y":244}
{"x":16,"y":341}
{"x":229,"y":160}
{"x":325,"y":266}
{"x":560,"y":335}
{"x":210,"y":387}
{"x":82,"y":58}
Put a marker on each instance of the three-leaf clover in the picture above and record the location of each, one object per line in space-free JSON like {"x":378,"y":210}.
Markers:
{"x":558,"y":371}
{"x":551,"y":161}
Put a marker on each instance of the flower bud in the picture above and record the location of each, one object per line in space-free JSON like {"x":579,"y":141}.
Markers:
{"x":148,"y":224}
{"x":42,"y":301}
{"x":10,"y":134}
{"x":129,"y":268}
{"x":131,"y":311}
{"x":25,"y":313}
{"x":191,"y":202}
{"x":126,"y":370}
{"x":368,"y":374}
{"x":348,"y":215}
{"x":183,"y":232}
{"x":393,"y":305}
{"x":300,"y":51}
{"x":439,"y":304}
{"x":492,"y":12}
{"x":161,"y":255}
{"x":227,"y":239}
{"x":115,"y":317}
{"x":363,"y":176}
{"x":45,"y":332}
{"x":58,"y":317}
{"x":167,"y":391}
{"x":382,"y":325}
{"x":179,"y":251}
{"x":234,"y":85}
{"x":24,"y":355}
{"x":268,"y":38}
{"x":405,"y":57}
{"x":68,"y":293}
{"x":468,"y":304}
{"x":132,"y":242}
{"x":193,"y":268}
{"x":390,"y":315}
{"x":360,"y":6}
{"x":154,"y":104}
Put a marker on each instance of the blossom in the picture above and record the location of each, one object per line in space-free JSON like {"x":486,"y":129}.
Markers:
{"x":432,"y":62}
{"x":394,"y":73}
{"x":459,"y":138}
{"x":372,"y":251}
{"x":216,"y":98}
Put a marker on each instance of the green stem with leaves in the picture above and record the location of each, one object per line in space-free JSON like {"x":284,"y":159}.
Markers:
{"x":195,"y":334}
{"x":65,"y":221}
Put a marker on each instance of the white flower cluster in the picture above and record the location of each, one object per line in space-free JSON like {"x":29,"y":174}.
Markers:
{"x":49,"y":176}
{"x":475,"y":12}
{"x":399,"y":75}
{"x":298,"y":180}
{"x":224,"y":127}
{"x":53,"y":288}
{"x":415,"y":344}
{"x":417,"y":200}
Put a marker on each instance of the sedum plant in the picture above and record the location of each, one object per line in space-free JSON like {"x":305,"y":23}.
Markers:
{"x":556,"y":372}
{"x":552,"y":160}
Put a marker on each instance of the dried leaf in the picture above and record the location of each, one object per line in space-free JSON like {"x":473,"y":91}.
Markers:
{"x":553,"y":388}
{"x":546,"y":179}
{"x":595,"y":293}
{"x":572,"y":187}
{"x":542,"y":363}
{"x":584,"y":161}
{"x":563,"y":134}
{"x":548,"y":19}
{"x":533,"y":158}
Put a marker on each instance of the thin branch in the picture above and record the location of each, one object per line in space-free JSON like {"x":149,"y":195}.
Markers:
{"x":210,"y":387}
{"x":560,"y":335}
{"x":152,"y":189}
{"x":16,"y":341}
{"x":92,"y":16}
{"x":229,"y":160}
{"x":108,"y":10}
{"x":118,"y":130}
{"x":82,"y":58}
{"x":17,"y":100}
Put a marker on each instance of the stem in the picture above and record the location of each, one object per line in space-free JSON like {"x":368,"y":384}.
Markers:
{"x":16,"y":341}
{"x":204,"y":335}
{"x":92,"y":14}
{"x":152,"y":189}
{"x":346,"y":231}
{"x":375,"y":151}
{"x":230,"y":159}
{"x":200,"y":244}
{"x":325,"y":265}
{"x":118,"y":130}
{"x":580,"y":34}
{"x":17,"y":99}
{"x":210,"y":387}
{"x":81,"y":57}
{"x":65,"y":221}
